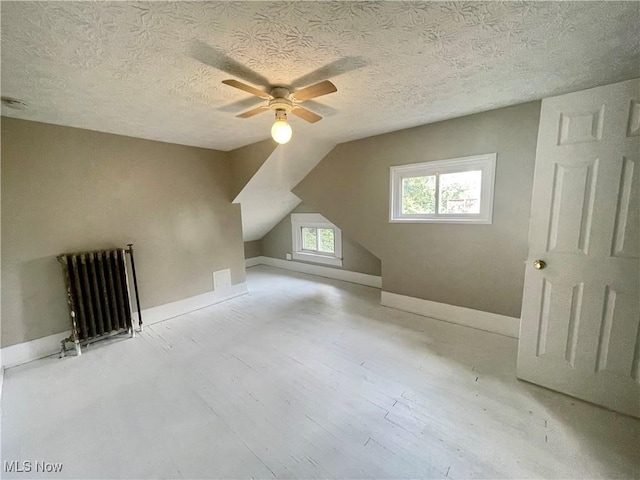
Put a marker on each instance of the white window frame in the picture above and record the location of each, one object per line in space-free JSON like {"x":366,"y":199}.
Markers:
{"x":485,"y":162}
{"x":314,"y":220}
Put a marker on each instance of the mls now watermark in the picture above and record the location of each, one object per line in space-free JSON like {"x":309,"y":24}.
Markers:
{"x":29,"y":467}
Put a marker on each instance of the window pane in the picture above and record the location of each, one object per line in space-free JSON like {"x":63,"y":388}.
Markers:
{"x":327,"y":242}
{"x":418,"y":195}
{"x":309,"y":239}
{"x":460,"y":192}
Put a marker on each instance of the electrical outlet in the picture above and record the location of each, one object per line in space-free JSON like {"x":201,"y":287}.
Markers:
{"x":288,"y":256}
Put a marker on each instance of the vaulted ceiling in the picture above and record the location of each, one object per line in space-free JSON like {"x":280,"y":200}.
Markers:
{"x":153,"y":69}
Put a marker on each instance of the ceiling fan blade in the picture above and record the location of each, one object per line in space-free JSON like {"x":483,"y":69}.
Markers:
{"x":253,"y":111}
{"x":307,"y":115}
{"x":246,"y":88}
{"x":317,"y":90}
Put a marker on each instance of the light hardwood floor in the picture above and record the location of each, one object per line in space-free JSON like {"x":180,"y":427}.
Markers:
{"x":305,"y":377}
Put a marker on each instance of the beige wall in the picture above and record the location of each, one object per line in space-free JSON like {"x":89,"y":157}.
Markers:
{"x":474,"y":266}
{"x":246,"y":161}
{"x":66,"y":189}
{"x":278,"y":242}
{"x":253,"y":249}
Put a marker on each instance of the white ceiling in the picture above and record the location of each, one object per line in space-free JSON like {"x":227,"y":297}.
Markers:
{"x":153,"y":70}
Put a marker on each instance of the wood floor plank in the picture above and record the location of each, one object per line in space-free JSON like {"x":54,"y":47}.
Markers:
{"x":305,"y":377}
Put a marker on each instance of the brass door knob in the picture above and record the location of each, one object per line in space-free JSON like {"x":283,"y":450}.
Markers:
{"x":539,"y":264}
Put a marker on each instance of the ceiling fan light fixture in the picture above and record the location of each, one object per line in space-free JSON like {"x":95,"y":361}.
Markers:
{"x":283,"y":101}
{"x":281,"y":130}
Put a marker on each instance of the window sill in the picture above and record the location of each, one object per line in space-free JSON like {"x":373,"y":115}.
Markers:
{"x":466,"y":220}
{"x":310,"y":257}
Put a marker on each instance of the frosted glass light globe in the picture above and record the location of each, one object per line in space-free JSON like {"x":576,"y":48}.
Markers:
{"x":281,"y":131}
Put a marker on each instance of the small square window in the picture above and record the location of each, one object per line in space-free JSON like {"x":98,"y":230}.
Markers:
{"x":326,"y":242}
{"x":309,"y":238}
{"x":315,"y":239}
{"x":459,"y":190}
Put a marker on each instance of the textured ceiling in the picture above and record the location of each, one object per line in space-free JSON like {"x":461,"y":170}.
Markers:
{"x":153,"y":70}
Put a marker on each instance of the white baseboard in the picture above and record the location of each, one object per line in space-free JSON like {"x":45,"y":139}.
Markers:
{"x":28,"y":351}
{"x":335,"y":273}
{"x":174,"y":309}
{"x":252,"y":262}
{"x":45,"y":346}
{"x":489,"y":322}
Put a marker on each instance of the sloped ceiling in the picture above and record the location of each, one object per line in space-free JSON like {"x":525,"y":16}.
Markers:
{"x":267,"y":197}
{"x":153,"y":70}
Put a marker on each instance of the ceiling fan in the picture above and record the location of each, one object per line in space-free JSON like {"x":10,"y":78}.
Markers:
{"x":282,"y":101}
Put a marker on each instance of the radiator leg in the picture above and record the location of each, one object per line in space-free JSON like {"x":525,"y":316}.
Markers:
{"x":132,"y":331}
{"x":78,"y":349}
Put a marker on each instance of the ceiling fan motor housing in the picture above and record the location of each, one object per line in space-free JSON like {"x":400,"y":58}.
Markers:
{"x":281,"y":103}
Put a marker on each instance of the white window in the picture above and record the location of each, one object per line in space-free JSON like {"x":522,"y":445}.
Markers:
{"x":315,"y":239}
{"x":459,"y":190}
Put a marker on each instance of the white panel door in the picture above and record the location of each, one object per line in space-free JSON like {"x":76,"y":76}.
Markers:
{"x":579,"y":332}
